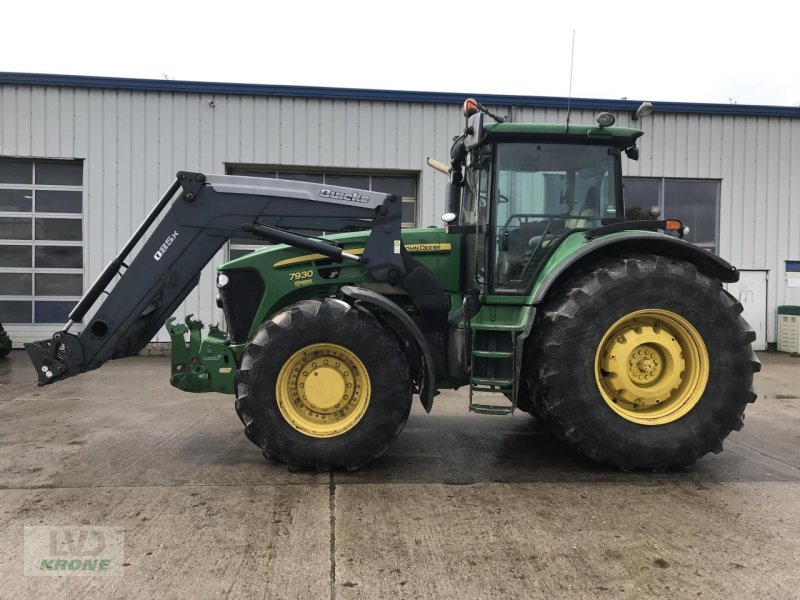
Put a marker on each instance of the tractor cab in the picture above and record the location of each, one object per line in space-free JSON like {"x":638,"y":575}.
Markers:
{"x":523,"y":188}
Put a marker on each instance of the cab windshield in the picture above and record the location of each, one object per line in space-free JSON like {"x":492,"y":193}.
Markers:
{"x":542,"y":192}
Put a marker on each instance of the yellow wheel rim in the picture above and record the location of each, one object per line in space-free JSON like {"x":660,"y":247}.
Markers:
{"x":323,"y":390}
{"x":651,"y":367}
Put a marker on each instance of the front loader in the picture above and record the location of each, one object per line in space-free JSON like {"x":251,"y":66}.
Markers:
{"x":538,"y":293}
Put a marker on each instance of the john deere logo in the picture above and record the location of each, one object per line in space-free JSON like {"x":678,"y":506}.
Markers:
{"x":428,"y":247}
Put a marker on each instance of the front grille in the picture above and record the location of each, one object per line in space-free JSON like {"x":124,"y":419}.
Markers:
{"x":240,"y":301}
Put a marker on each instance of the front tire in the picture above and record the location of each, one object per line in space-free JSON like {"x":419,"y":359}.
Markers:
{"x":323,"y":384}
{"x":643,"y":362}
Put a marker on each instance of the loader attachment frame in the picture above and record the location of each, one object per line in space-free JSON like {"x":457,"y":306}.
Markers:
{"x":198,"y":215}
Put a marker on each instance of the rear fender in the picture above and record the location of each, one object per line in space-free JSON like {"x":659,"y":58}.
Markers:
{"x":637,"y":243}
{"x":426,"y":378}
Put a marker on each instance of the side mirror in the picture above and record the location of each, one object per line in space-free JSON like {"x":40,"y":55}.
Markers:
{"x":474,"y":131}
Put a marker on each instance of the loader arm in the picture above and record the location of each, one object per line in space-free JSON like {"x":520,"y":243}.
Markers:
{"x":198,"y":215}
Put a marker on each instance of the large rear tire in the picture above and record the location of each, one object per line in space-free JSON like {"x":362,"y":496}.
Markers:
{"x":323,"y":384}
{"x":643,"y":362}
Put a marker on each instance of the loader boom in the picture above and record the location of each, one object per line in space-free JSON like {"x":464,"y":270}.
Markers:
{"x":199,"y":214}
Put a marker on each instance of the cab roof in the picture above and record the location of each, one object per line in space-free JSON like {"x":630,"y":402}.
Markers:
{"x":623,"y":137}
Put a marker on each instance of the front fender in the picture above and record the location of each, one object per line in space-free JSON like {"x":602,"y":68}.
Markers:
{"x":608,"y":246}
{"x":427,"y":376}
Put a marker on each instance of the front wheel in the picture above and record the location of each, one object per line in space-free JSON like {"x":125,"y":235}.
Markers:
{"x":323,"y":384}
{"x":643,"y":362}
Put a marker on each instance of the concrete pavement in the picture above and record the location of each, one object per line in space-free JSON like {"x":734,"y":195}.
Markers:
{"x":462,"y":506}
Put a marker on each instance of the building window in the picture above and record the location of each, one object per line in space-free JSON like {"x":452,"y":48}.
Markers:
{"x":41,"y":240}
{"x":694,"y":201}
{"x":400,"y":184}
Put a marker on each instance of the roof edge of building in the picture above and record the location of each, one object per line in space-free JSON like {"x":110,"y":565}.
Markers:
{"x":295,"y":91}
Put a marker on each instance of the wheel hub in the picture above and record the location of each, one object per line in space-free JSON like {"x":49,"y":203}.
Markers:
{"x":645,"y":364}
{"x":323,"y":390}
{"x":651,"y":367}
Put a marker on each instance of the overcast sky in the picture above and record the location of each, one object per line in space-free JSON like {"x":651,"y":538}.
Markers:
{"x":699,"y":51}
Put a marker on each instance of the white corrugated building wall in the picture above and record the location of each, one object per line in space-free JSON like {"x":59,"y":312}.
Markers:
{"x":132,"y":136}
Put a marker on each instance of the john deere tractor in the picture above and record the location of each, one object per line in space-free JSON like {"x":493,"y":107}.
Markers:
{"x":537,"y":292}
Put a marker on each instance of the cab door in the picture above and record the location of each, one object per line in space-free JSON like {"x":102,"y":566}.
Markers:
{"x":542,"y":193}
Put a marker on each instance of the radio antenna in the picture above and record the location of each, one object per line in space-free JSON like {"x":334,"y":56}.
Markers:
{"x":571,"y":64}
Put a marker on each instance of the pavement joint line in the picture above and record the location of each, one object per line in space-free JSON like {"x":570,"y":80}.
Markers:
{"x":332,"y":505}
{"x":764,"y":454}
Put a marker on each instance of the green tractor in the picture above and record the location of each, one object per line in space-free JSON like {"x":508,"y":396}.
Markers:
{"x":537,"y":293}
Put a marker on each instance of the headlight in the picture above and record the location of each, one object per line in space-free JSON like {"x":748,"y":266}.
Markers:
{"x":222,"y":280}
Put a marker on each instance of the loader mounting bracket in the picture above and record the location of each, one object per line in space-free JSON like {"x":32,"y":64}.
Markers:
{"x":201,"y":364}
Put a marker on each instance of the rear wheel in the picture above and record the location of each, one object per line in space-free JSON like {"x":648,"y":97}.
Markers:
{"x":323,"y":384}
{"x":643,"y":362}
